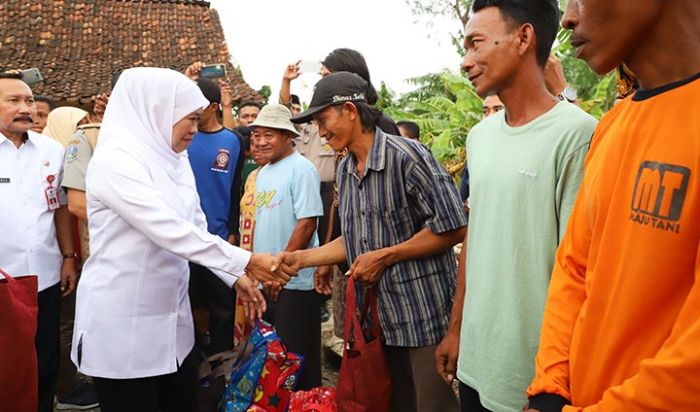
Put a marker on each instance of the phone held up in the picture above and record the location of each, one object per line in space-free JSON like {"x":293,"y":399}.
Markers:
{"x":32,"y":76}
{"x":213,"y":71}
{"x":309,"y":66}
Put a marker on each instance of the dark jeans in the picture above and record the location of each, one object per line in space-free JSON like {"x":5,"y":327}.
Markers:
{"x":469,"y":399}
{"x":207,"y":290}
{"x":297,"y":318}
{"x":174,"y":392}
{"x":48,"y":344}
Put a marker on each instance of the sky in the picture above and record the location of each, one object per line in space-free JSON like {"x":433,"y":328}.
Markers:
{"x":265,"y":35}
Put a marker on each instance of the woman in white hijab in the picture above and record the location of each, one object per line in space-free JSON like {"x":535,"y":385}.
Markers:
{"x":133,"y":329}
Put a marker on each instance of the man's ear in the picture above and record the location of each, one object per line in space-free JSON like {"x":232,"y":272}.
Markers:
{"x":527,"y":39}
{"x":350,"y":109}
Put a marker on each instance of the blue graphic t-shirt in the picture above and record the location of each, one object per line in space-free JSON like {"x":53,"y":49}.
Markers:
{"x":216,"y":162}
{"x":285,"y":192}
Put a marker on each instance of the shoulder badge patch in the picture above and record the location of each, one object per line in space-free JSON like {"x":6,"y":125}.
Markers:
{"x":72,"y":151}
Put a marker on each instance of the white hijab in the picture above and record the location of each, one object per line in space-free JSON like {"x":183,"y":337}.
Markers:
{"x":145,"y":104}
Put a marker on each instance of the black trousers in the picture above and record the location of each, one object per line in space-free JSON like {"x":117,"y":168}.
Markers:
{"x":67,"y":372}
{"x":174,"y":392}
{"x":469,"y":399}
{"x":48,"y":345}
{"x":297,"y":318}
{"x":208,"y":290}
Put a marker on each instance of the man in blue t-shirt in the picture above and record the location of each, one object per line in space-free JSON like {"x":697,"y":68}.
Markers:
{"x":288,"y":205}
{"x":216,"y":157}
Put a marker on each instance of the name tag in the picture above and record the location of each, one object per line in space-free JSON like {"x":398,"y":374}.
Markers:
{"x":51,"y":194}
{"x":4,"y":180}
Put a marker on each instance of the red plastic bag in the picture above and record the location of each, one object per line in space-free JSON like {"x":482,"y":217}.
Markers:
{"x":19,"y":376}
{"x":364,"y":383}
{"x":314,"y":400}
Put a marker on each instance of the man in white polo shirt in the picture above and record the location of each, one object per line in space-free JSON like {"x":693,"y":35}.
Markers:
{"x":36,"y":232}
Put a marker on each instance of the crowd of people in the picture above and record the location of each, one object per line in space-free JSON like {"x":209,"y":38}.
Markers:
{"x":162,"y":223}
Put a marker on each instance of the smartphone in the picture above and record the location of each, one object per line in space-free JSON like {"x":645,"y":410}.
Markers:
{"x":213,"y":71}
{"x":32,"y":76}
{"x":309,"y":66}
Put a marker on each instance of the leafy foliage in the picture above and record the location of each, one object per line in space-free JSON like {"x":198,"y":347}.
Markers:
{"x":457,"y":9}
{"x":596,"y":93}
{"x":445,"y":107}
{"x":265,"y":91}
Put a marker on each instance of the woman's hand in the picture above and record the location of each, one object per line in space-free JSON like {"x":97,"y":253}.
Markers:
{"x":253,"y":300}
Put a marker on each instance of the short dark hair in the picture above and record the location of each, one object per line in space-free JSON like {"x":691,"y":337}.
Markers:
{"x":249,"y":103}
{"x":16,"y":76}
{"x":543,"y":15}
{"x":411,"y":127}
{"x":349,"y":60}
{"x":41,"y":98}
{"x":295,"y":99}
{"x":210,"y":90}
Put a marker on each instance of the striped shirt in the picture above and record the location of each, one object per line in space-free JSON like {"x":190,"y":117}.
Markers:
{"x":403,"y":190}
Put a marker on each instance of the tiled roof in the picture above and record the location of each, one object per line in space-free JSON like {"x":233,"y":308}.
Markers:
{"x":79,"y":44}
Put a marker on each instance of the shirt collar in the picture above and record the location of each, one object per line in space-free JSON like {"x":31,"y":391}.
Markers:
{"x":377,"y":154}
{"x":34,"y":137}
{"x":30,"y":138}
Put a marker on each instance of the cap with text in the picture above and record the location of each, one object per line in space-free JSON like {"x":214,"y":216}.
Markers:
{"x":336,"y":88}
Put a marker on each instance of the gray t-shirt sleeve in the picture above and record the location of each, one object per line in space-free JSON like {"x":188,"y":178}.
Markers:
{"x":75,"y":163}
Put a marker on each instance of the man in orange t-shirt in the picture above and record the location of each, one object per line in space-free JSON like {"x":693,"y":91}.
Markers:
{"x":621,"y":330}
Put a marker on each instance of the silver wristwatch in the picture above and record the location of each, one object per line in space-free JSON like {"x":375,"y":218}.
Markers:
{"x":569,"y":94}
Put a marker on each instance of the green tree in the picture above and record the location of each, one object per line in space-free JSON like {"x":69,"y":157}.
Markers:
{"x":385,"y":101}
{"x":457,"y":9}
{"x":265,"y":92}
{"x":445,"y":107}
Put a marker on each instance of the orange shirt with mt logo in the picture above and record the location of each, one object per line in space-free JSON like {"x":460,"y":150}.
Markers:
{"x":621,"y":330}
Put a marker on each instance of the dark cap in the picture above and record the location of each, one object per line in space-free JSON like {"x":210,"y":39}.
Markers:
{"x":336,"y":88}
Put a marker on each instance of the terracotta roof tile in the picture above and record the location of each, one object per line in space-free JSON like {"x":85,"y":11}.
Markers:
{"x":78,"y":44}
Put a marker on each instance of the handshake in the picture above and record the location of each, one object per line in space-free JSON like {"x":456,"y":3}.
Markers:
{"x":273,"y":272}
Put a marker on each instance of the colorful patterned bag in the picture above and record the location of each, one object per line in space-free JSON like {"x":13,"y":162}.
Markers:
{"x":266,"y":380}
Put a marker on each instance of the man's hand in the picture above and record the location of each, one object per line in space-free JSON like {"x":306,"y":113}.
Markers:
{"x":446,"y":357}
{"x":254,"y":304}
{"x":289,"y":259}
{"x":69,"y":277}
{"x":554,"y":76}
{"x":292,"y":71}
{"x":323,"y":280}
{"x":193,"y":70}
{"x":369,"y":267}
{"x":226,"y":94}
{"x":265,"y":268}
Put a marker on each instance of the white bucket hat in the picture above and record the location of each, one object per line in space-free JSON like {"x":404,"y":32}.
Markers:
{"x":275,"y":116}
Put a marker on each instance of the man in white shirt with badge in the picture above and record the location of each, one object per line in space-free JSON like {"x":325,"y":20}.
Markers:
{"x":37,"y":235}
